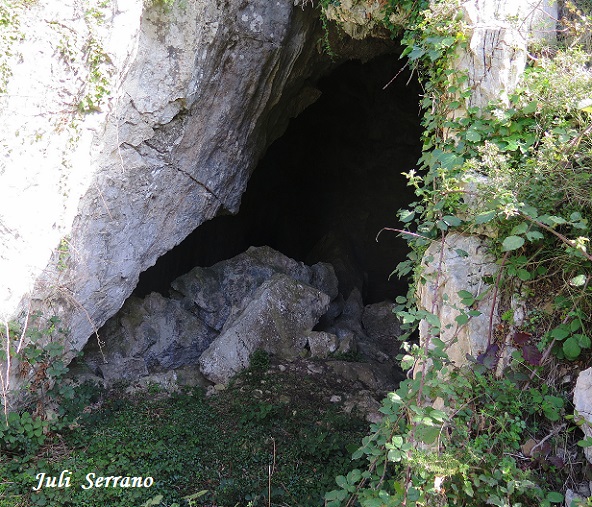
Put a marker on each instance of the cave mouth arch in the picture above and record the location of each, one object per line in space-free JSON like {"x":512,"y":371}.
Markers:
{"x":326,"y":187}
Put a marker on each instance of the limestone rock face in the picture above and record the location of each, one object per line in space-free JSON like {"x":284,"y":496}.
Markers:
{"x":49,"y":149}
{"x":464,"y":263}
{"x":275,"y":319}
{"x":210,"y":87}
{"x":500,"y":33}
{"x":178,"y":106}
{"x":359,"y":19}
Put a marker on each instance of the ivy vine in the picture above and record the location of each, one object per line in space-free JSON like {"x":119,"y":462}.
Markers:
{"x":517,"y":173}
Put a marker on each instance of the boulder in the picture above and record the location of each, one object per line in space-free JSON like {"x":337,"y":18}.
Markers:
{"x":380,"y":321}
{"x":275,"y":319}
{"x":347,"y":325}
{"x":147,"y":336}
{"x":214,"y":293}
{"x":321,"y":344}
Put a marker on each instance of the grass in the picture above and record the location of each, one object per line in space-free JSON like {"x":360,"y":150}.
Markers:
{"x":269,"y":439}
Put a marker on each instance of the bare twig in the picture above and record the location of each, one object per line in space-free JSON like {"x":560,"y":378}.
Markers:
{"x":401,"y":231}
{"x":24,"y":331}
{"x":396,"y":75}
{"x":554,"y":432}
{"x":563,"y":238}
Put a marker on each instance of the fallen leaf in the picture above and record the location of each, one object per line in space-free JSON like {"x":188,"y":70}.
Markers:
{"x":527,"y":447}
{"x":556,"y":461}
{"x":489,"y":357}
{"x":521,"y":337}
{"x":532,"y":355}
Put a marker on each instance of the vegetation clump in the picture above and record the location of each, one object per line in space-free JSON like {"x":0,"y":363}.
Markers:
{"x":270,"y":438}
{"x":517,"y":172}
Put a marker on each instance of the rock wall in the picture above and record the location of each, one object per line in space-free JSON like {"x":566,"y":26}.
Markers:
{"x":125,"y":129}
{"x":494,"y":59}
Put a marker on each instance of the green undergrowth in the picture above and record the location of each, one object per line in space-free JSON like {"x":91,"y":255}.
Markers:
{"x":266,"y":433}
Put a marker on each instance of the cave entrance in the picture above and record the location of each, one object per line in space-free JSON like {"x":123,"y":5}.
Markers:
{"x":326,"y":187}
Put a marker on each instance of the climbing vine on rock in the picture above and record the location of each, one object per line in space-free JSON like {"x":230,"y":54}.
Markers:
{"x":516,"y":173}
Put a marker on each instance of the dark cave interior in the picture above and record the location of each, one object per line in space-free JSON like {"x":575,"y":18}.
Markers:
{"x":325,"y":188}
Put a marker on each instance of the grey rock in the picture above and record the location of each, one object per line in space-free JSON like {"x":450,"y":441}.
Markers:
{"x":347,"y":326}
{"x":458,"y":271}
{"x":573,"y":499}
{"x":347,"y":344}
{"x":275,"y":319}
{"x":365,"y":402}
{"x":321,"y":344}
{"x":382,"y":327}
{"x":149,"y":335}
{"x":324,"y":279}
{"x":380,"y":322}
{"x":221,"y":290}
{"x":353,"y":371}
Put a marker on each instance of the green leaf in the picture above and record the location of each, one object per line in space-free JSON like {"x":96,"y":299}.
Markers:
{"x":153,"y":501}
{"x":571,"y":348}
{"x":443,"y":226}
{"x":416,"y":53}
{"x":512,"y":243}
{"x":341,"y":481}
{"x":523,"y":275}
{"x":520,"y":228}
{"x":586,"y":442}
{"x":534,"y":235}
{"x":531,"y":107}
{"x":576,"y":215}
{"x":555,"y":497}
{"x":452,"y":221}
{"x":555,"y":220}
{"x":560,"y":332}
{"x":583,"y":341}
{"x":578,"y":281}
{"x":406,"y":215}
{"x":354,"y":476}
{"x":483,"y":218}
{"x":427,"y":433}
{"x":450,"y":160}
{"x":432,"y":320}
{"x":531,"y":211}
{"x":473,"y":136}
